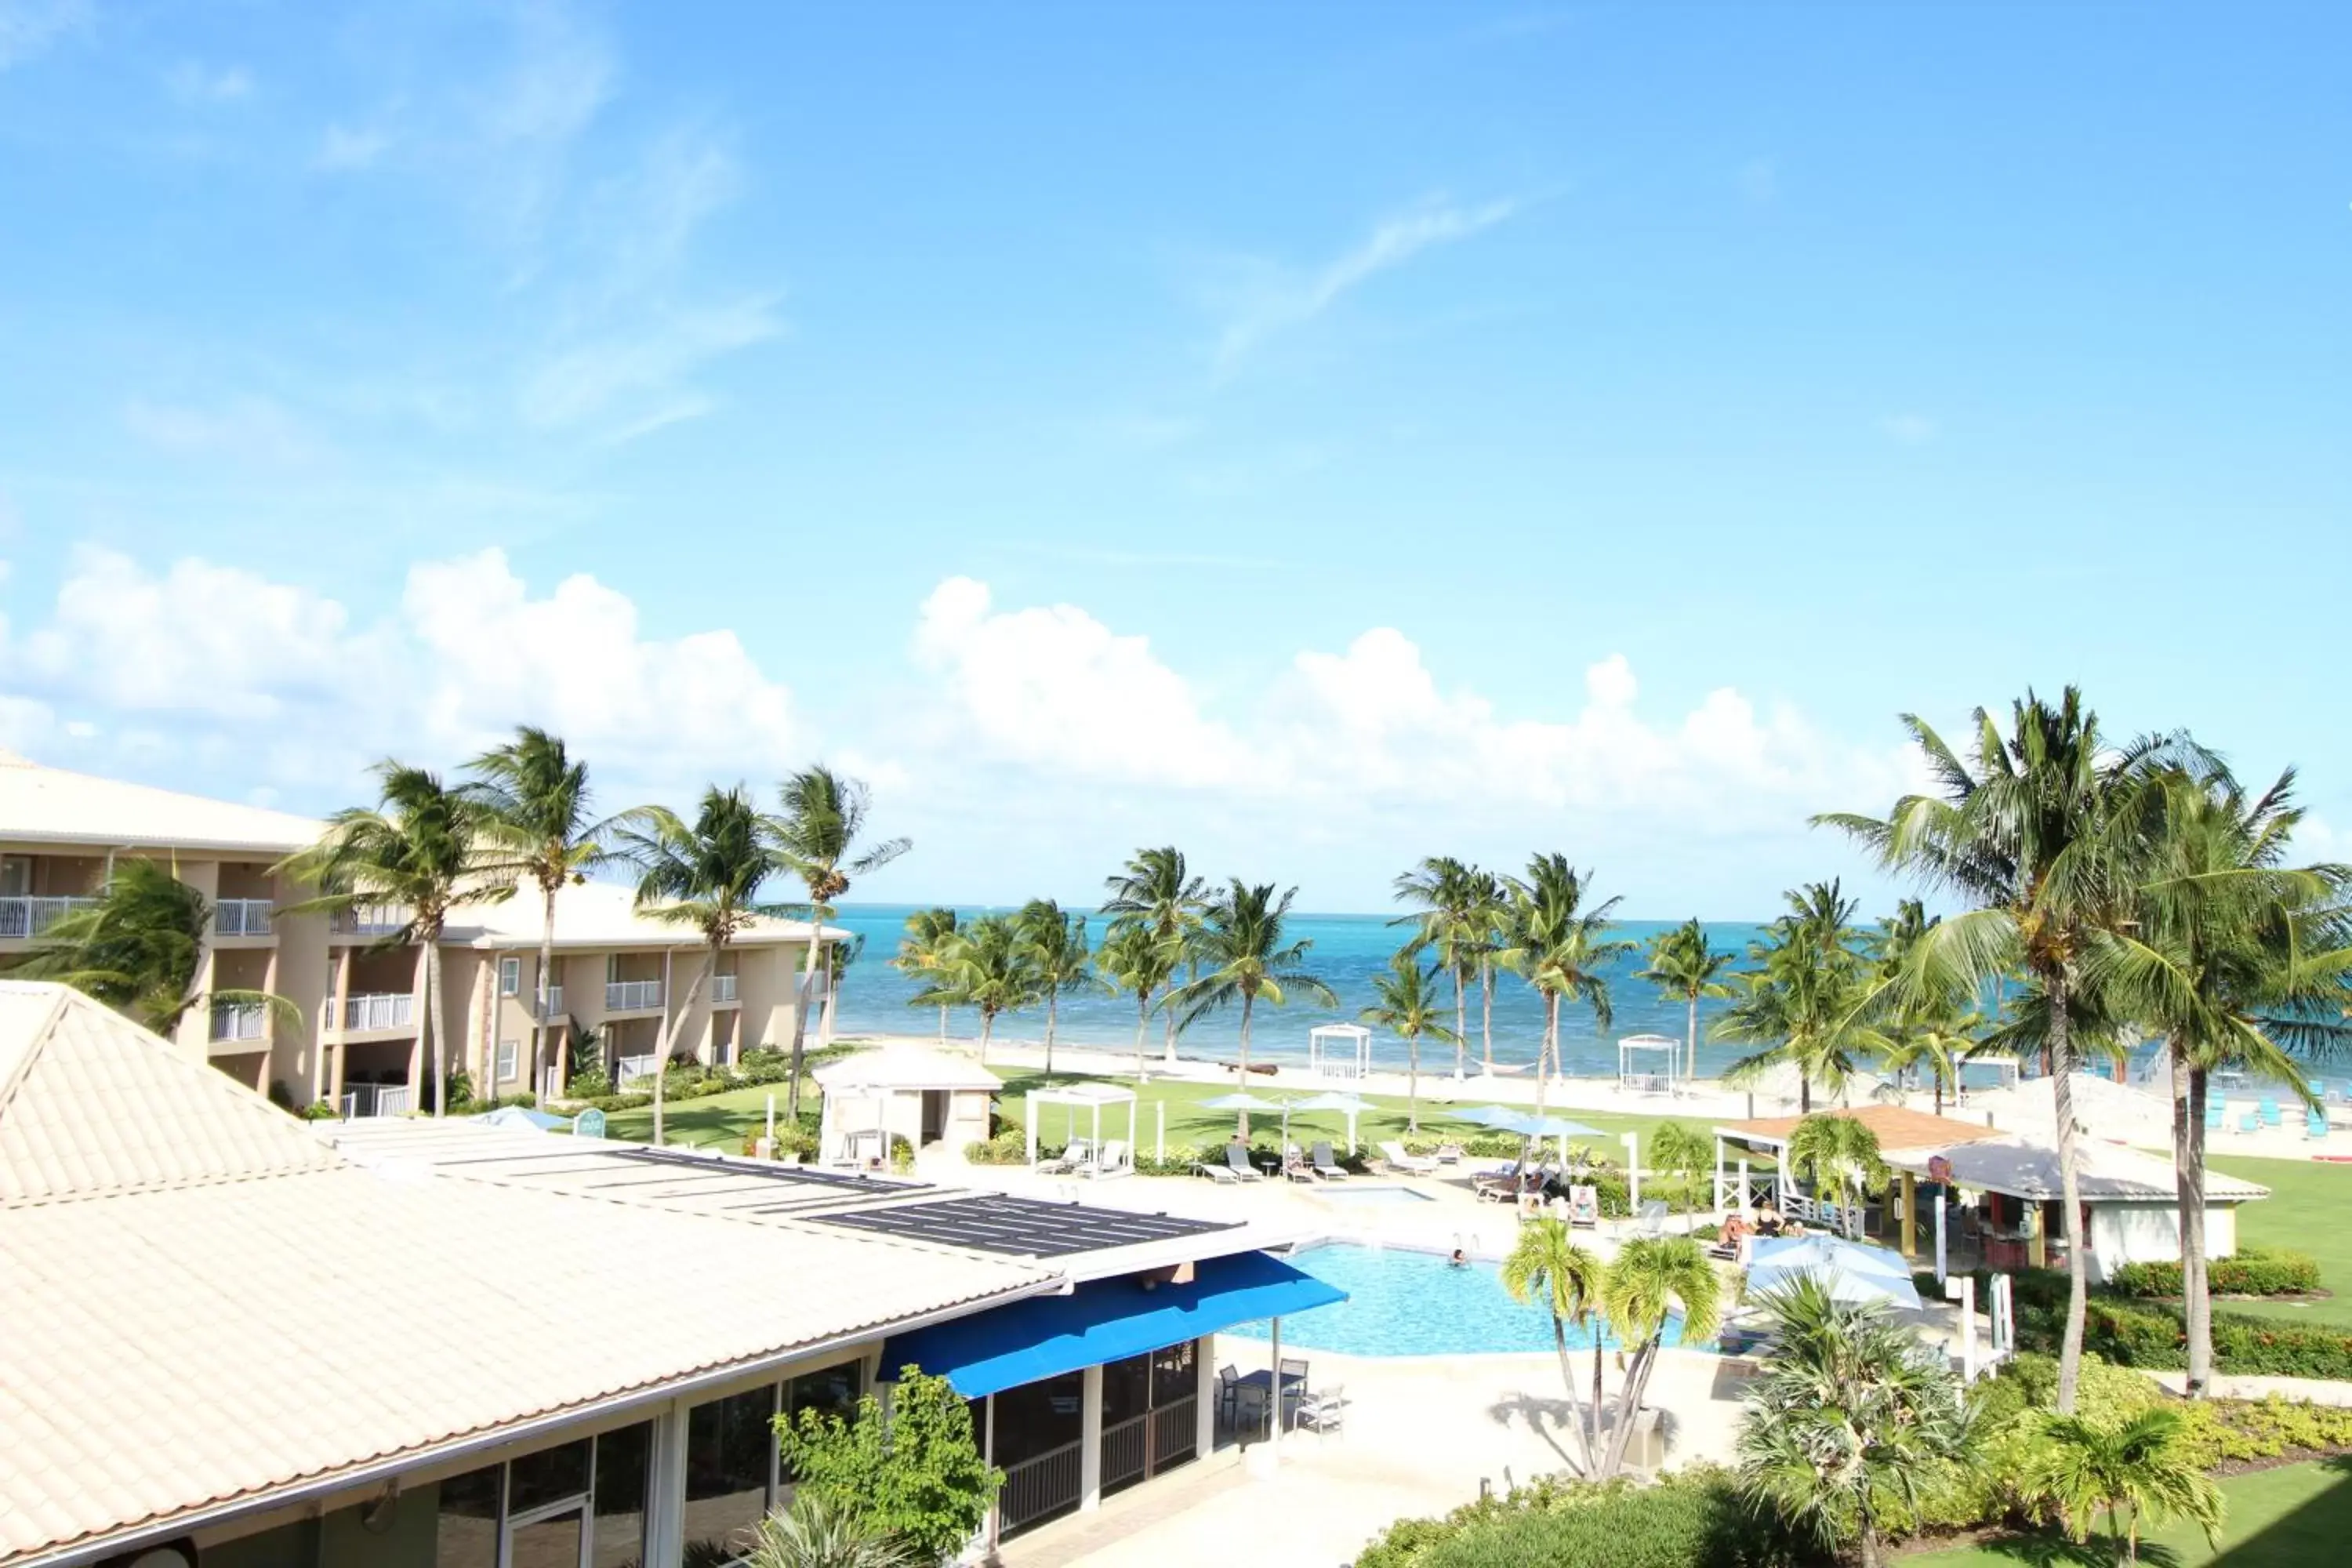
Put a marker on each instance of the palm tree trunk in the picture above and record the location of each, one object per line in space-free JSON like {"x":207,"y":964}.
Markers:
{"x":1629,"y":1401}
{"x":440,"y":1036}
{"x":987,"y":1026}
{"x":1142,"y":1019}
{"x":818,"y":965}
{"x":2189,"y":1153}
{"x":2070,"y":1187}
{"x":1690,"y":1073}
{"x":943,"y":1023}
{"x":419,"y":993}
{"x":1461,"y":1021}
{"x":1413,"y":1082}
{"x":677,"y":1021}
{"x":1168,"y":1053}
{"x":1593,"y":1449}
{"x":1869,"y":1544}
{"x":1568,"y":1380}
{"x":1487,"y":1012}
{"x":1543,"y":1045}
{"x":1247,"y":998}
{"x":1053,"y":1010}
{"x":539,"y":1012}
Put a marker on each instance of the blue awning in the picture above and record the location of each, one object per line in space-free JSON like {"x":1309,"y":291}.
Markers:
{"x":1104,"y":1320}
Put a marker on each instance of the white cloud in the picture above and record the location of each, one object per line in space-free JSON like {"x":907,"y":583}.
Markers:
{"x":1276,"y":299}
{"x":195,"y":82}
{"x":1908,"y":429}
{"x":27,"y":27}
{"x":634,"y":378}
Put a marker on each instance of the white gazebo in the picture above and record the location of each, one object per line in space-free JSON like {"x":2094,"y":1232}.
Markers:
{"x":916,"y":1093}
{"x":1091,"y":1097}
{"x":1340,"y":1051}
{"x":1650,"y":1064}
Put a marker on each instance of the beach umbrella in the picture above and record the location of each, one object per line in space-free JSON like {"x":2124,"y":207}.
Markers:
{"x":1347,"y":1104}
{"x":1502,"y":1118}
{"x":1559,"y":1127}
{"x":1850,"y":1272}
{"x":1242,"y":1099}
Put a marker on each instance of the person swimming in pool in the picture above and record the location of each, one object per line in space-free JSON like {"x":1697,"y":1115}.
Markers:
{"x":1460,"y":1260}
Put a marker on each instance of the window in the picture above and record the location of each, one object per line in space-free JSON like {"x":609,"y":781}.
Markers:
{"x":538,"y":1507}
{"x":509,"y":976}
{"x":508,"y":1050}
{"x":623,"y":1459}
{"x":468,"y":1521}
{"x":611,"y":969}
{"x":730,"y":1465}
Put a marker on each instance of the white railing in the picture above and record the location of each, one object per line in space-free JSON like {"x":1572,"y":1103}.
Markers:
{"x":379,"y":1010}
{"x":1038,"y":1489}
{"x":239,"y":1021}
{"x":375,"y":1099}
{"x":368,"y":919}
{"x":632,"y":1070}
{"x":722,"y":988}
{"x":31,"y":917}
{"x":553,"y":1006}
{"x":241,"y":917}
{"x":623,"y":995}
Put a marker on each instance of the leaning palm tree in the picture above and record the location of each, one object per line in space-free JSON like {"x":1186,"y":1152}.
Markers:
{"x":1684,"y":967}
{"x":419,"y":850}
{"x":1060,"y":958}
{"x":1561,"y":948}
{"x":1808,"y":1001}
{"x":2139,"y":1467}
{"x":1838,"y":1153}
{"x":1409,"y":1007}
{"x":2038,"y":830}
{"x":537,"y":826}
{"x":1158,"y":893}
{"x":706,"y":876}
{"x":924,"y":954}
{"x":140,"y":950}
{"x":1546,"y":1263}
{"x":815,"y":836}
{"x":1490,"y":910}
{"x":1247,"y":957}
{"x":1653,"y":1281}
{"x":1133,"y":960}
{"x":1445,"y":894}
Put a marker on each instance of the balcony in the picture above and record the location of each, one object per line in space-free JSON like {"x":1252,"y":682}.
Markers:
{"x":722,"y":989}
{"x":239,"y":1021}
{"x":241,"y":917}
{"x":368,"y":919}
{"x":553,"y":1006}
{"x":379,"y":1010}
{"x":22,"y":917}
{"x":631,"y":995}
{"x":375,"y":1099}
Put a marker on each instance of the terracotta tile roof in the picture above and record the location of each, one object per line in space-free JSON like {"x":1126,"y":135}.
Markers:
{"x":1897,"y":1127}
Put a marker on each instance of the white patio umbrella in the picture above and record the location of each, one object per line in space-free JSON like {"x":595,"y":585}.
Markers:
{"x":1341,"y":1101}
{"x":1241,"y":1100}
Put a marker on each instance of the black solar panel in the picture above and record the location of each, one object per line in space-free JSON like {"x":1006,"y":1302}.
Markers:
{"x":1024,"y":1226}
{"x":798,"y":1174}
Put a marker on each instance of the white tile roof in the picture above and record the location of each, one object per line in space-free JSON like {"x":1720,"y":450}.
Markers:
{"x":598,"y":914}
{"x":186,"y":1332}
{"x":51,"y":804}
{"x":906,"y":1066}
{"x":2029,"y":1170}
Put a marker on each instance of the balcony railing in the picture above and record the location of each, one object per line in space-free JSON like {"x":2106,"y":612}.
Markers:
{"x":31,"y":917}
{"x":368,"y":919}
{"x":722,"y":988}
{"x":1037,"y":1489}
{"x":553,"y":1006}
{"x":239,"y":1021}
{"x":241,"y":917}
{"x":624,"y":996}
{"x":379,"y":1010}
{"x":375,"y":1099}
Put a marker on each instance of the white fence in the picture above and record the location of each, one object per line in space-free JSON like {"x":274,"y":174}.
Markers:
{"x":379,"y":1010}
{"x":241,"y":917}
{"x":375,"y":1099}
{"x":624,"y":995}
{"x":554,"y":1006}
{"x":31,"y":917}
{"x":632,"y":1070}
{"x":233,"y":1021}
{"x":368,"y":919}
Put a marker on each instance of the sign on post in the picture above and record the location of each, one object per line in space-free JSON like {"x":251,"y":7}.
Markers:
{"x":589,"y":1124}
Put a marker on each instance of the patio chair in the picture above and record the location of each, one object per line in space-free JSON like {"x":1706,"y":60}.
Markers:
{"x":1449,"y":1154}
{"x":1078,"y":1154}
{"x":1111,"y":1160}
{"x":1394,"y":1154}
{"x":2270,"y":1109}
{"x":1654,"y":1218}
{"x":2315,"y":1124}
{"x":1229,"y":1382}
{"x":1219,"y":1173}
{"x":2217,"y":1114}
{"x":2250,"y":1120}
{"x":1584,"y":1208}
{"x":1324,"y":1409}
{"x":1290,"y":1377}
{"x":1237,"y":1163}
{"x":1325,"y":1166}
{"x":1295,"y":1166}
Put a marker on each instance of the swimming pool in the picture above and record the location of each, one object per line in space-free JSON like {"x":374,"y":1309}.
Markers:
{"x":1402,"y":1302}
{"x":1375,"y":1197}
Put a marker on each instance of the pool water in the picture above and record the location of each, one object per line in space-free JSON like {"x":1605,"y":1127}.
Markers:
{"x":1403,"y":1302}
{"x":1375,"y":1197}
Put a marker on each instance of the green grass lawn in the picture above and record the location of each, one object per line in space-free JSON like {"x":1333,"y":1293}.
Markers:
{"x":2293,"y":1514}
{"x":2306,"y":1212}
{"x":717,"y":1119}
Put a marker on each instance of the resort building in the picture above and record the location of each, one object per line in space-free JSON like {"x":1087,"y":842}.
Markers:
{"x":236,"y":1339}
{"x":351,"y":1033}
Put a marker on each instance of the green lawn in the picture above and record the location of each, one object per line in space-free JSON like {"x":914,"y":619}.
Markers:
{"x":718,"y":1119}
{"x":2293,"y":1514}
{"x":2306,"y":1212}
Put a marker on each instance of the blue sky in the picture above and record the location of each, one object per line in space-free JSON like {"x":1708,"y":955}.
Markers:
{"x":1319,"y":436}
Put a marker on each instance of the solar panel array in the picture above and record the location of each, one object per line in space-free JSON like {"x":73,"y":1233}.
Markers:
{"x":1026,"y":1227}
{"x":798,"y":1174}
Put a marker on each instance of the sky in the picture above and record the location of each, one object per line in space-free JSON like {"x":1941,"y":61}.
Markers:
{"x":1315,"y":435}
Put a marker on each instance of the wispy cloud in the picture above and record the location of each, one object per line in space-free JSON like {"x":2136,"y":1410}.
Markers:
{"x":1281,"y":299}
{"x":1908,"y":429}
{"x":633,"y":379}
{"x":27,"y":27}
{"x":195,"y":82}
{"x":343,"y":148}
{"x":244,"y":429}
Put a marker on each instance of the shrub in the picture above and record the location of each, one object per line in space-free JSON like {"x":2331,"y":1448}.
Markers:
{"x":921,"y":1482}
{"x":590,"y":1086}
{"x":1010,"y":1147}
{"x":1695,"y":1517}
{"x":902,"y":1154}
{"x":2252,"y":1272}
{"x":2224,"y":1430}
{"x":319,"y":1111}
{"x":766,"y":1064}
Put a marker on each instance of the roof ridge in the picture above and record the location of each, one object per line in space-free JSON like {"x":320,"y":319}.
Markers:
{"x":35,"y":1039}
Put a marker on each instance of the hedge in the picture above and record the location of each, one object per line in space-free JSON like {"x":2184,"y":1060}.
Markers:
{"x":2252,"y":1272}
{"x":1693,"y":1517}
{"x":2149,"y":1335}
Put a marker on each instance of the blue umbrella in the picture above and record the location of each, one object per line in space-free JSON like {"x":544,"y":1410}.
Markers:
{"x":1503,"y":1117}
{"x":1554,"y":1127}
{"x":1849,"y":1271}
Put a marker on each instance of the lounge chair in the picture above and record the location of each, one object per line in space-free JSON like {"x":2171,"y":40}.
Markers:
{"x":1295,"y":1166}
{"x":1325,"y":1166}
{"x":1394,"y":1154}
{"x":1077,"y":1154}
{"x":1502,"y":1187}
{"x":1654,"y":1218}
{"x":1584,"y":1208}
{"x":2270,"y":1109}
{"x":1448,"y":1154}
{"x":1220,"y":1173}
{"x":2217,"y":1114}
{"x":2251,"y":1121}
{"x":1324,"y":1409}
{"x":1111,"y":1159}
{"x":2315,"y":1124}
{"x":1237,"y":1163}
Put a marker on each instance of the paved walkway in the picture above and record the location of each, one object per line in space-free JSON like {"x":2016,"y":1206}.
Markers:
{"x":2242,"y":1385}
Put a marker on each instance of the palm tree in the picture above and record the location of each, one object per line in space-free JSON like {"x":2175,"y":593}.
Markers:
{"x":419,"y":849}
{"x":816,"y":837}
{"x":1837,"y":1154}
{"x":1851,"y":1421}
{"x":140,"y":950}
{"x":1561,"y":949}
{"x":1058,"y":957}
{"x":1135,"y":961}
{"x":1447,"y":895}
{"x":1677,"y":1150}
{"x":1807,"y":999}
{"x":925,"y":952}
{"x":2034,"y":830}
{"x":1570,"y":1279}
{"x":536,"y":825}
{"x":1934,"y":1027}
{"x":1490,"y":912}
{"x":1684,"y":966}
{"x":2138,"y":1467}
{"x":1653,"y":1279}
{"x":1246,"y":957}
{"x":706,"y":876}
{"x":1408,"y":1007}
{"x":991,"y":971}
{"x":2238,"y":962}
{"x":1158,"y":893}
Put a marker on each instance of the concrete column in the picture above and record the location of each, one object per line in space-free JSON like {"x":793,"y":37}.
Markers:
{"x":330,"y":1034}
{"x":1204,"y":1407}
{"x":1718,"y":1176}
{"x":1907,"y":1188}
{"x":1090,"y":1437}
{"x":1274,"y":1366}
{"x":665,"y":1491}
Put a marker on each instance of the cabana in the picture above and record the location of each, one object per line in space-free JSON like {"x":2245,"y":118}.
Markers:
{"x":1650,"y":1064}
{"x":1897,"y":1129}
{"x":1341,"y":1051}
{"x":915,"y":1092}
{"x":1090,"y":1097}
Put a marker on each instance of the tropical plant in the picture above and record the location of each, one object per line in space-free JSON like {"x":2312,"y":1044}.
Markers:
{"x":1136,"y":960}
{"x":1808,"y":998}
{"x":821,"y":1532}
{"x":706,"y":876}
{"x":140,"y":950}
{"x":536,"y":825}
{"x":1059,"y":957}
{"x":1677,"y":1150}
{"x":1683,"y":965}
{"x":1158,"y":894}
{"x":991,"y":973}
{"x":1853,"y":1421}
{"x":1924,"y":1025}
{"x":1547,"y":1264}
{"x":915,"y":1477}
{"x":419,"y":851}
{"x":926,"y":951}
{"x":1561,"y":948}
{"x":1838,"y":1153}
{"x":815,"y":836}
{"x":1407,"y":1006}
{"x":1653,"y":1279}
{"x":1247,"y":957}
{"x":2037,"y":830}
{"x":1447,"y":895}
{"x":1490,"y":910}
{"x":2135,"y":1467}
